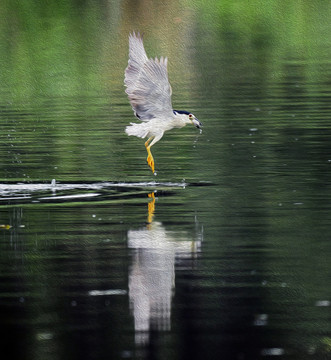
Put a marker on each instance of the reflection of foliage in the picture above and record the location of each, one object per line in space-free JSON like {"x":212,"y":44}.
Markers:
{"x":268,"y":32}
{"x":326,"y":343}
{"x":321,"y":349}
{"x":60,"y":49}
{"x":49,"y":49}
{"x":52,"y":61}
{"x":270,"y":21}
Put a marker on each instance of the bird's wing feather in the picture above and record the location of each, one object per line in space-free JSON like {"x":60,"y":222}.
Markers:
{"x":147,"y":83}
{"x":137,"y":59}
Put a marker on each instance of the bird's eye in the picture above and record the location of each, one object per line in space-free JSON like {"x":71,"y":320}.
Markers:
{"x":190,"y":116}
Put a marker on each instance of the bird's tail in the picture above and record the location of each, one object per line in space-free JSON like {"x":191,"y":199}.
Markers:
{"x":138,"y":130}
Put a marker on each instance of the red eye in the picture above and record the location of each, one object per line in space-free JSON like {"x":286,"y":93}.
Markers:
{"x":190,"y":116}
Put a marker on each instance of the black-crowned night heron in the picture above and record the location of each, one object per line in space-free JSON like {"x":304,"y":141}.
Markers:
{"x":149,"y":92}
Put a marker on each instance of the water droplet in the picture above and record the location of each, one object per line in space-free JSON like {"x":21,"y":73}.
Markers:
{"x":107,"y":292}
{"x":261,"y":320}
{"x":44,"y":336}
{"x":272,"y":352}
{"x":323,"y":303}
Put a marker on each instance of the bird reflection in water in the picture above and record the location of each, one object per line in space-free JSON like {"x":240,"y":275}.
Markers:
{"x":151,"y":209}
{"x":152,"y":273}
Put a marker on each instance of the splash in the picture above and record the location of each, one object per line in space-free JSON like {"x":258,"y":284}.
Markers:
{"x":25,"y":190}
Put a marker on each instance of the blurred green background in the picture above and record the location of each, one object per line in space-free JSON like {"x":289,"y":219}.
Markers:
{"x":62,"y":67}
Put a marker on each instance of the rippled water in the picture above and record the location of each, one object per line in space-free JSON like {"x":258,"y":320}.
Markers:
{"x":223,"y":255}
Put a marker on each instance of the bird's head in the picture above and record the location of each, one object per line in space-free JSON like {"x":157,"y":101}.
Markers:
{"x":188,"y":118}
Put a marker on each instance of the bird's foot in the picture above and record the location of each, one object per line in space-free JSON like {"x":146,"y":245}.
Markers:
{"x":150,"y":162}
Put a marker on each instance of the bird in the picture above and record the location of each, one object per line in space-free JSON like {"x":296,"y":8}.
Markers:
{"x":149,"y":93}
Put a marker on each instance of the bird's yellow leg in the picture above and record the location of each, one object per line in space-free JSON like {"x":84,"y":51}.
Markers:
{"x":150,"y":159}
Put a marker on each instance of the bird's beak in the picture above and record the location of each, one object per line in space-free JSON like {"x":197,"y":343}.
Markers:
{"x":197,"y":123}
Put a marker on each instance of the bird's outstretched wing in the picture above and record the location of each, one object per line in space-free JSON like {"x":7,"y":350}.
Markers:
{"x":147,"y":83}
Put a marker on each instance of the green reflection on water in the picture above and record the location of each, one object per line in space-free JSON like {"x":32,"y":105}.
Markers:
{"x":62,"y":95}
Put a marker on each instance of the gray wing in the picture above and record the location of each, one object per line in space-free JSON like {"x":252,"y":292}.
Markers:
{"x":147,"y":83}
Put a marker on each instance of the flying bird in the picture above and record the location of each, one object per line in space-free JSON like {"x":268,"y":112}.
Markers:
{"x":149,"y":93}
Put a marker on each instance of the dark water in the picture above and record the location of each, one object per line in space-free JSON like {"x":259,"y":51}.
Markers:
{"x":225,"y":254}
